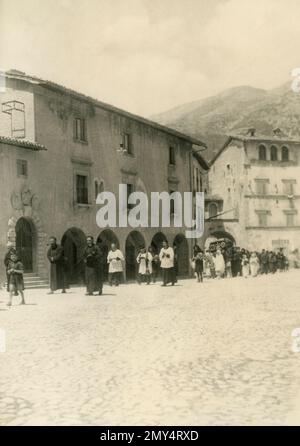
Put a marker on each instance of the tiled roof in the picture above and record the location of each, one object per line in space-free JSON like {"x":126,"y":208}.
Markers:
{"x":22,"y":143}
{"x":15,"y":74}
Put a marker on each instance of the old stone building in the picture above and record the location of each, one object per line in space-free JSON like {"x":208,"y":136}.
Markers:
{"x":254,"y":192}
{"x":59,"y":149}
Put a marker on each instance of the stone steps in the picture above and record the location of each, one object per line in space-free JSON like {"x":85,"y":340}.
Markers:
{"x":32,"y":281}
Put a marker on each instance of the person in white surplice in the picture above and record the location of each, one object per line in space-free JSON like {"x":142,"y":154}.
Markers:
{"x":114,"y":259}
{"x":166,"y":257}
{"x":144,"y":259}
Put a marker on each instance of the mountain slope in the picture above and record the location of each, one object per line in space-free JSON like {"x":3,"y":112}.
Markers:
{"x":234,"y":111}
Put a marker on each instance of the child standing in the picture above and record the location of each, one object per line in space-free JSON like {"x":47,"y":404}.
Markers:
{"x":198,"y":259}
{"x":15,"y":282}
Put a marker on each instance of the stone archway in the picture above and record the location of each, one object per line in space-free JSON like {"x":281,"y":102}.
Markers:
{"x":104,"y":241}
{"x":74,"y":243}
{"x":181,"y":249}
{"x":156,"y":245}
{"x":25,"y":243}
{"x":30,"y":220}
{"x":157,"y":241}
{"x":134,"y":242}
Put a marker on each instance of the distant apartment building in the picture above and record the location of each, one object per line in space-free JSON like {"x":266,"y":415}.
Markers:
{"x":59,"y":149}
{"x":254,"y":192}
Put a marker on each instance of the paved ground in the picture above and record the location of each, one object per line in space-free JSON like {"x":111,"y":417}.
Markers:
{"x":212,"y":353}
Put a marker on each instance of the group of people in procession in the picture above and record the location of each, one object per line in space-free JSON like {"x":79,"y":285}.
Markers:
{"x":149,"y":265}
{"x":219,"y":261}
{"x":229,"y":261}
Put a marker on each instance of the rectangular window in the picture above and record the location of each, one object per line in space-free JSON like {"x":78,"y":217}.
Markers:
{"x":262,"y":218}
{"x":81,"y":189}
{"x":172,"y":204}
{"x":290,"y":220}
{"x":127,"y":143}
{"x":80,"y":132}
{"x":261,"y":186}
{"x":290,"y":217}
{"x":22,"y":168}
{"x":130,"y":190}
{"x":288,"y":187}
{"x":172,"y":160}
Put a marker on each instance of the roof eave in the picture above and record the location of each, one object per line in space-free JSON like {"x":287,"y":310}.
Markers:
{"x":227,"y":142}
{"x":204,"y":164}
{"x":23,"y":144}
{"x":53,"y":86}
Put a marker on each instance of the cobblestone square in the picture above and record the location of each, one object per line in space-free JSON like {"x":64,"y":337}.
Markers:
{"x":217,"y":353}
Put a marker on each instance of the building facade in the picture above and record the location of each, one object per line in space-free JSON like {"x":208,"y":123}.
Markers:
{"x":58,"y":150}
{"x":254,"y":192}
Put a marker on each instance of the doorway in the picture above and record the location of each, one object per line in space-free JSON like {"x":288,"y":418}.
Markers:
{"x":25,"y":243}
{"x":74,"y":243}
{"x":134,"y":242}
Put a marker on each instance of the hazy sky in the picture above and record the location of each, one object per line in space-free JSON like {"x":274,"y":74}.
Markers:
{"x":147,"y":56}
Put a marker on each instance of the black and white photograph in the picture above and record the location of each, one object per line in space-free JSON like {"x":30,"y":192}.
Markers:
{"x":149,"y":215}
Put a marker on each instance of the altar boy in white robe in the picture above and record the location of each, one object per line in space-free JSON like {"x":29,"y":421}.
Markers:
{"x":166,"y":257}
{"x":115,"y":270}
{"x":144,"y":260}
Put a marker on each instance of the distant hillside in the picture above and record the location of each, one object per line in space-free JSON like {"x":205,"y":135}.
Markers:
{"x":234,"y":111}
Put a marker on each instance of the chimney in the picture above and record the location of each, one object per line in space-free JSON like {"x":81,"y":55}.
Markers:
{"x":251,"y":132}
{"x":277,"y":132}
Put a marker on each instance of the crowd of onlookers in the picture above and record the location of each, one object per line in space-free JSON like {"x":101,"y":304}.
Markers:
{"x":224,"y":261}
